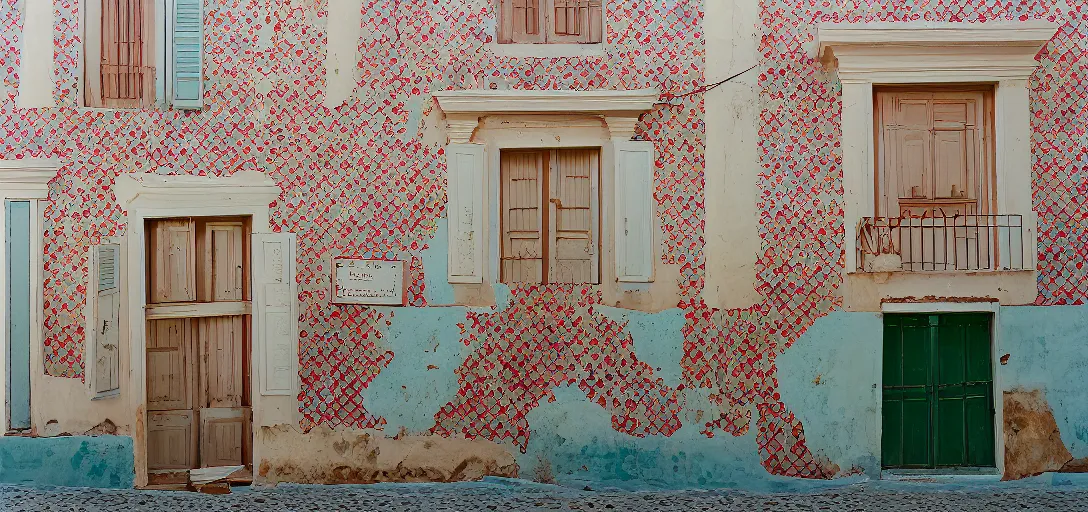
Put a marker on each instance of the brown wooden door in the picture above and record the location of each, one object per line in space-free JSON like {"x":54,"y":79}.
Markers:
{"x":198,"y":345}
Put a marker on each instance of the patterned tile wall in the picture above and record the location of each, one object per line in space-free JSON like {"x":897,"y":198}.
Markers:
{"x":358,"y":180}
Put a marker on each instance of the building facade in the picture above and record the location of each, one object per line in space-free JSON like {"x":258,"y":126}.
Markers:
{"x":627,"y":243}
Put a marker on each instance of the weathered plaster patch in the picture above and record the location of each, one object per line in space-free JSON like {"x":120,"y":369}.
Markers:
{"x":358,"y":456}
{"x":1033,"y":444}
{"x":420,"y":377}
{"x":78,"y":461}
{"x":36,"y":73}
{"x":342,"y":52}
{"x":658,"y":339}
{"x":830,"y":378}
{"x":436,"y":286}
{"x":1047,"y":351}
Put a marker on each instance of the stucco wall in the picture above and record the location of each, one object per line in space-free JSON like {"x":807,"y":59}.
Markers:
{"x":79,"y":461}
{"x":552,"y":374}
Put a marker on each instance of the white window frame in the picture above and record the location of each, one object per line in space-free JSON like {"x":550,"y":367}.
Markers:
{"x":885,"y":53}
{"x":520,"y":119}
{"x":25,"y":180}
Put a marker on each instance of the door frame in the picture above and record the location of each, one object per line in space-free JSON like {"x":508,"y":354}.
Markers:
{"x":153,"y":196}
{"x":25,"y":180}
{"x":992,"y":307}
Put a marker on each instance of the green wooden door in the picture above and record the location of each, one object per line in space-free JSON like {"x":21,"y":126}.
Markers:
{"x":938,"y":391}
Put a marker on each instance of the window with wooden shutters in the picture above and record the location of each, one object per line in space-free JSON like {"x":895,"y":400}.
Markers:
{"x":550,"y":219}
{"x":123,"y":76}
{"x":551,"y":21}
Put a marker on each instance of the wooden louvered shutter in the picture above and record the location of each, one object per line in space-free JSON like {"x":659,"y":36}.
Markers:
{"x":522,"y":174}
{"x":104,"y":313}
{"x":125,"y":80}
{"x":521,"y":21}
{"x":188,"y":54}
{"x":634,"y":231}
{"x":575,"y":21}
{"x":465,"y":212}
{"x":573,"y":216}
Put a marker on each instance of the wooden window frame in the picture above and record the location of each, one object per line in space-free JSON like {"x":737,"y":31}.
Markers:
{"x":547,"y":25}
{"x":987,"y":172}
{"x":93,"y":57}
{"x":546,"y":202}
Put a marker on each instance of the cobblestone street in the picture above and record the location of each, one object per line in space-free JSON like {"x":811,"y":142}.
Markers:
{"x":509,"y":496}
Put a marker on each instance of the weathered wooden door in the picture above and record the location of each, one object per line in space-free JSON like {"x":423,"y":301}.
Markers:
{"x":198,"y":345}
{"x":938,"y":391}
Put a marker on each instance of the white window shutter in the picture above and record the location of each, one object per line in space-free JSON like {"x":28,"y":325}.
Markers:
{"x":574,"y":224}
{"x":103,"y":314}
{"x":188,"y":54}
{"x":634,"y":230}
{"x":464,"y":212}
{"x":276,"y":305}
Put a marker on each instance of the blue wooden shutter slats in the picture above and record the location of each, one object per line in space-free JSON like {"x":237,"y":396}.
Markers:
{"x":188,"y":53}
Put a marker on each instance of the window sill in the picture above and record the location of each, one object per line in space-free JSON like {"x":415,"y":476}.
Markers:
{"x":107,"y":395}
{"x":942,"y":475}
{"x":867,"y":291}
{"x":546,"y":50}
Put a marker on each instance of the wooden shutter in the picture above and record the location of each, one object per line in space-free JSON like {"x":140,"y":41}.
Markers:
{"x":277,"y":311}
{"x":224,"y":437}
{"x":573,"y":223}
{"x":465,"y":212}
{"x":124,"y":78}
{"x":104,"y":314}
{"x":170,"y":364}
{"x":222,"y":339}
{"x":931,"y":153}
{"x":17,"y":267}
{"x":634,"y":230}
{"x":171,"y":440}
{"x":521,"y":21}
{"x":172,"y":267}
{"x":522,"y":174}
{"x":224,"y":261}
{"x":187,"y":51}
{"x":575,"y":21}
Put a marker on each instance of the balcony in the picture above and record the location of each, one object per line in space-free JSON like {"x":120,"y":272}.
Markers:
{"x":970,"y":243}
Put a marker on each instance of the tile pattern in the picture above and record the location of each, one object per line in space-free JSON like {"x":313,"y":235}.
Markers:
{"x":363,"y":179}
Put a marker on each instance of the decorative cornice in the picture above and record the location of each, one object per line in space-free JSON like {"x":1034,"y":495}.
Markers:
{"x":165,"y":191}
{"x":28,"y":171}
{"x":884,"y":51}
{"x":463,"y":108}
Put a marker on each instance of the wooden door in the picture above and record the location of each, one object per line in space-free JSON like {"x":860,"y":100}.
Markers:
{"x":198,"y":344}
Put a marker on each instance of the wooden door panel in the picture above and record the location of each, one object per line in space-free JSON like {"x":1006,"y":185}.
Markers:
{"x":171,"y":440}
{"x":169,"y":364}
{"x":224,"y":261}
{"x":224,"y":436}
{"x":221,"y":340}
{"x":173,"y":272}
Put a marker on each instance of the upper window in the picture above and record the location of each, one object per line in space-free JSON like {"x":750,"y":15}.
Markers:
{"x":124,"y":76}
{"x":122,"y":46}
{"x":933,"y":159}
{"x":550,"y":21}
{"x":550,"y":220}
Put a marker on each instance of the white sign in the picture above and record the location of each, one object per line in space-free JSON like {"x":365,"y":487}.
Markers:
{"x":368,"y":282}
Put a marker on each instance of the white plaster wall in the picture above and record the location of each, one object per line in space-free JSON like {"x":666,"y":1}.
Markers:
{"x":36,"y":81}
{"x":342,"y":50}
{"x":732,"y":160}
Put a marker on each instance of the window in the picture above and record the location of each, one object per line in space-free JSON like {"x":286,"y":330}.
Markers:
{"x":932,"y":154}
{"x":550,"y":21}
{"x":122,"y":46}
{"x":938,"y":405}
{"x":550,"y":219}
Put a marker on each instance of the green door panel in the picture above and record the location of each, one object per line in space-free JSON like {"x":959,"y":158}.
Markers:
{"x":938,"y":391}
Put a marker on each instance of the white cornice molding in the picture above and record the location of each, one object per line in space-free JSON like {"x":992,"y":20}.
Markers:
{"x":936,"y":52}
{"x":28,"y":171}
{"x":243,"y":188}
{"x":464,"y":108}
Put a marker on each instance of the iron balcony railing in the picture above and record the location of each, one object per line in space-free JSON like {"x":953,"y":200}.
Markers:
{"x":949,"y":243}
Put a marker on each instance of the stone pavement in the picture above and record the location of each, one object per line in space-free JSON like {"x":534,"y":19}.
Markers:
{"x":508,"y":495}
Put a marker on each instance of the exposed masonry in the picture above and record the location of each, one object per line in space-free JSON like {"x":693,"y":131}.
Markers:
{"x":361,"y":180}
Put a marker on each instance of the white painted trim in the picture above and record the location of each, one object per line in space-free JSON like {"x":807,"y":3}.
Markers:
{"x":620,"y":109}
{"x":149,"y":196}
{"x":25,"y":180}
{"x":546,"y":50}
{"x":1001,"y":53}
{"x":993,"y":307}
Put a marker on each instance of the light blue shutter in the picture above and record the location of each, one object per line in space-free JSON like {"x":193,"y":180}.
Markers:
{"x":635,"y":249}
{"x":18,"y":306}
{"x":188,"y":52}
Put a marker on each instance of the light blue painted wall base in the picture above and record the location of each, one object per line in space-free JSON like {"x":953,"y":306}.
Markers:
{"x":74,"y":461}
